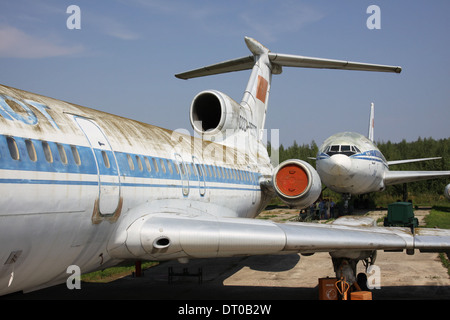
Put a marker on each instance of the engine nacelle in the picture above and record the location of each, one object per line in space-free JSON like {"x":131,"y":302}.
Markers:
{"x":447,"y":192}
{"x":296,"y":183}
{"x":213,"y":112}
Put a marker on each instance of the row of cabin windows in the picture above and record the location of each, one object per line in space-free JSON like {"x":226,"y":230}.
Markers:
{"x":210,"y":171}
{"x":167,"y":166}
{"x":31,"y":150}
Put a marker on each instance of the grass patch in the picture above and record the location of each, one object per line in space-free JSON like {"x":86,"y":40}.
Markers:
{"x":114,"y":273}
{"x":445,"y":261}
{"x":439,"y":217}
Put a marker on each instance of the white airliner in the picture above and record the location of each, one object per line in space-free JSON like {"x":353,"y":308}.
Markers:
{"x":351,"y":164}
{"x":86,"y":188}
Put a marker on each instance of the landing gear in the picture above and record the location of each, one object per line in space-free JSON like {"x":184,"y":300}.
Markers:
{"x":346,"y":198}
{"x":345,"y":269}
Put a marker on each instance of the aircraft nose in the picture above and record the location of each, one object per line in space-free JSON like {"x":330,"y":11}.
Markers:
{"x":339,"y":164}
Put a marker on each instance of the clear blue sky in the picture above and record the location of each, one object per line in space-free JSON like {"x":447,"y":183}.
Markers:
{"x":124,"y":57}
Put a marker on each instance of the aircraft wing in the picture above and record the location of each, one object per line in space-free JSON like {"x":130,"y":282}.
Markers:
{"x":165,"y":236}
{"x":411,"y":160}
{"x":396,"y":177}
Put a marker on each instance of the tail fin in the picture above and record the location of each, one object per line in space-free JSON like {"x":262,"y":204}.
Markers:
{"x":371,"y":123}
{"x":265,"y":63}
{"x":256,"y":95}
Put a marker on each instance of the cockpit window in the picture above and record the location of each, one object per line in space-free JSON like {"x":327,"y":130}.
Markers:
{"x":354,"y":148}
{"x":334,"y":148}
{"x":342,"y":149}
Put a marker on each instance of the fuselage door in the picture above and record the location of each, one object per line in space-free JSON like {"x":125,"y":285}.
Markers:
{"x":107,"y":168}
{"x":201,"y":175}
{"x":183,"y":173}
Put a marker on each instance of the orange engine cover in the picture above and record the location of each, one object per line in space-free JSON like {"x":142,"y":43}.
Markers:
{"x":292,"y":180}
{"x":296,"y":183}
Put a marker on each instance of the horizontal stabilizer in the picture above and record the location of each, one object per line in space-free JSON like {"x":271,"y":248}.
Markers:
{"x":239,"y":64}
{"x":310,"y":62}
{"x":286,"y":60}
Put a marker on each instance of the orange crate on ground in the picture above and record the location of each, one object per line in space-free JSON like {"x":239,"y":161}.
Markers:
{"x":361,"y":295}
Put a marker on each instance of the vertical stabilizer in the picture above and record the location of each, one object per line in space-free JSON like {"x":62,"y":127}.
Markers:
{"x":264,"y":63}
{"x":256,"y":95}
{"x":371,"y":122}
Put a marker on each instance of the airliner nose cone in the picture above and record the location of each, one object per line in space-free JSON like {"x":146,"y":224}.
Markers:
{"x":339,"y":164}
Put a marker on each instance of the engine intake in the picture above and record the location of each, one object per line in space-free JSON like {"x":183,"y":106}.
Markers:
{"x":213,"y":112}
{"x":296,"y":183}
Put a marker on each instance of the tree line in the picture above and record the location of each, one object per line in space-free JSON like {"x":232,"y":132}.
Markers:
{"x":422,"y":148}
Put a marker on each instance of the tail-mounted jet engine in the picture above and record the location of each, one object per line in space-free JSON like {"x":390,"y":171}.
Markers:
{"x":296,"y":183}
{"x":213,"y":112}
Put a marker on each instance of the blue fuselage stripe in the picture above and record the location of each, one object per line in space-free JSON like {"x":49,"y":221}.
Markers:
{"x":91,"y":165}
{"x":372,"y":155}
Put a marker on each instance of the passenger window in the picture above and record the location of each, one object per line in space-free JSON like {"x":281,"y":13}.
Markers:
{"x":62,"y":153}
{"x":182,"y":169}
{"x":47,"y":151}
{"x":130,"y":162}
{"x":105,"y":159}
{"x":31,"y":150}
{"x":209,"y":170}
{"x":169,"y":166}
{"x":163,"y":167}
{"x":147,"y":164}
{"x":13,"y":150}
{"x":139,"y":162}
{"x":199,"y":170}
{"x":218,"y":172}
{"x":76,"y":155}
{"x":155,"y":164}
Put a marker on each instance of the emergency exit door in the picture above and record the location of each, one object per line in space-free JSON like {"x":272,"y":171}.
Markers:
{"x":107,"y":168}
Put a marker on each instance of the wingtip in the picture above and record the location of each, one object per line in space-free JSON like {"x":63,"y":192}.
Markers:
{"x":179,"y":76}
